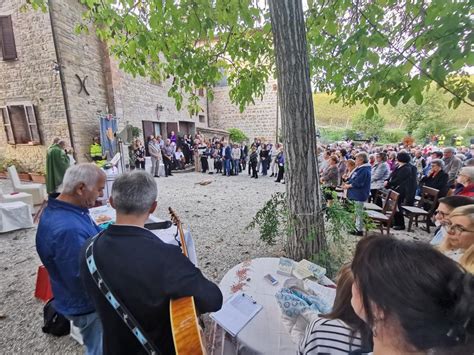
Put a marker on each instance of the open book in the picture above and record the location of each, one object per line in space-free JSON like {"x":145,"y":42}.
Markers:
{"x":236,"y":313}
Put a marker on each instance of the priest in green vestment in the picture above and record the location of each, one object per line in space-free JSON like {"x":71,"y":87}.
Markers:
{"x":57,"y":163}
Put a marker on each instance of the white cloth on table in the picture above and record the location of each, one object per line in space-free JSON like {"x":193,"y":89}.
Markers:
{"x":166,"y":235}
{"x":15,"y":215}
{"x":265,"y":333}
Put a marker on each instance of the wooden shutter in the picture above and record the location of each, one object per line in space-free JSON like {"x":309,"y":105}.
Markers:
{"x":7,"y":125}
{"x":8,"y":39}
{"x":32,"y":124}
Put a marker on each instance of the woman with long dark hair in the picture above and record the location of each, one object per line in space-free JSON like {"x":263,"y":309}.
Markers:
{"x":341,"y":331}
{"x":413,"y":297}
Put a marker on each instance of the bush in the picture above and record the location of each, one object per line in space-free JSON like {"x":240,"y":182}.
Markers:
{"x":392,"y":136}
{"x":237,"y":136}
{"x":370,"y":126}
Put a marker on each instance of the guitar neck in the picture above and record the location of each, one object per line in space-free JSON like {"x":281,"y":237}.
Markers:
{"x":184,"y":248}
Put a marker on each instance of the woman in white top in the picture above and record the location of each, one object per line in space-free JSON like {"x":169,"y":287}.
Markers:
{"x":341,"y":331}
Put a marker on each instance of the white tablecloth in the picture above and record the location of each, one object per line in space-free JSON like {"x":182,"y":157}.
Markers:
{"x":166,"y":235}
{"x":15,"y":215}
{"x":265,"y":333}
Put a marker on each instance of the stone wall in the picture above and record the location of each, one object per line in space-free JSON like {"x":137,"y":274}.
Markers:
{"x":257,"y":121}
{"x":81,"y":55}
{"x":31,"y":79}
{"x":136,"y":100}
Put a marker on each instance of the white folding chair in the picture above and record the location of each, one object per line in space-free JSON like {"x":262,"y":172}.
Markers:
{"x":36,"y":190}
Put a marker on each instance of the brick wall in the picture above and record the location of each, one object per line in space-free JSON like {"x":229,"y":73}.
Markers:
{"x":257,"y":120}
{"x":30,"y":79}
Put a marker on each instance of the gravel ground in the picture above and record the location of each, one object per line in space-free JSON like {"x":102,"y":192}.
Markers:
{"x":216,"y":214}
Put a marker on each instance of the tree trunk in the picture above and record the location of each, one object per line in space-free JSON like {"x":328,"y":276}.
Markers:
{"x":307,"y":236}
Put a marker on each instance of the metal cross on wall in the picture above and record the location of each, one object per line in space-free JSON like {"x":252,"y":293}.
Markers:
{"x":82,"y":82}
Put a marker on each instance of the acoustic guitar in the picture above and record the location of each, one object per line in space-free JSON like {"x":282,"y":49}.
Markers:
{"x":187,"y":334}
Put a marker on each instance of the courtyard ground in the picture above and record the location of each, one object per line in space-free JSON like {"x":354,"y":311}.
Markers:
{"x":216,"y":214}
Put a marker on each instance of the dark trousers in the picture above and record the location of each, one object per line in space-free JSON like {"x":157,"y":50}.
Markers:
{"x":204,"y":164}
{"x":167,"y":163}
{"x":140,"y":164}
{"x":281,"y":171}
{"x":254,"y":169}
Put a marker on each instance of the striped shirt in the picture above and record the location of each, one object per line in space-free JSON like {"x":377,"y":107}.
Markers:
{"x":329,"y":336}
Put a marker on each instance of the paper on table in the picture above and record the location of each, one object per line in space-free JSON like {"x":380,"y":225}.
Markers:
{"x":236,"y":313}
{"x":326,"y":293}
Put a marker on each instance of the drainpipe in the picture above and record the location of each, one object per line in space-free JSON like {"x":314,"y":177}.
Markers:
{"x":61,"y":75}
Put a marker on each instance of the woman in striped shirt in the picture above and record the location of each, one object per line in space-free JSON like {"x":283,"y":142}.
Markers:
{"x":341,"y":331}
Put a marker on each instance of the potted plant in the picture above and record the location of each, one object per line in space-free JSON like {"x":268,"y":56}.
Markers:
{"x":4,"y":164}
{"x":39,"y":177}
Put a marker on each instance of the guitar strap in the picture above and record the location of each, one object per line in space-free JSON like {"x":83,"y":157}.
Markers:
{"x":115,"y":302}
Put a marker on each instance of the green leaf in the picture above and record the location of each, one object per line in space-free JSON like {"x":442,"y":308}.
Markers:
{"x":370,"y":113}
{"x":331,"y":27}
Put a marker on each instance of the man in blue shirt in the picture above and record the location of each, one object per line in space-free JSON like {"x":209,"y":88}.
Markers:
{"x":64,"y":227}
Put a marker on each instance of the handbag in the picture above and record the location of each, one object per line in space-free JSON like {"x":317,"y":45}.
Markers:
{"x":54,"y":322}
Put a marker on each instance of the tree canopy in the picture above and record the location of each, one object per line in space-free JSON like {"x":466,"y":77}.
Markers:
{"x":359,"y":50}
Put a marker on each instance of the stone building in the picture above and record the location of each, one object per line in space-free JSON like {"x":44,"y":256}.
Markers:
{"x":54,"y":83}
{"x":261,"y":120}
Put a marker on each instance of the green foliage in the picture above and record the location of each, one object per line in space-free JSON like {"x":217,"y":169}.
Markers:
{"x":369,"y":52}
{"x":272,"y":219}
{"x":370,"y":124}
{"x":430,"y":109}
{"x":377,"y":52}
{"x":136,"y":132}
{"x":392,"y":136}
{"x":436,"y":125}
{"x":237,"y":136}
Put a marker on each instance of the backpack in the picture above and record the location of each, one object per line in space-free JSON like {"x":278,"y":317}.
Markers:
{"x":54,"y":322}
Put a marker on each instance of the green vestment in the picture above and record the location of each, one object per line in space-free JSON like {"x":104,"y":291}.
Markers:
{"x":57,"y":163}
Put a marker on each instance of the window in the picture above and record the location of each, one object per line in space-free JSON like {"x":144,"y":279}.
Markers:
{"x":202,"y":118}
{"x":7,"y":40}
{"x":20,"y":124}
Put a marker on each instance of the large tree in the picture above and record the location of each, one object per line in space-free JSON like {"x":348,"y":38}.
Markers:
{"x":360,"y":50}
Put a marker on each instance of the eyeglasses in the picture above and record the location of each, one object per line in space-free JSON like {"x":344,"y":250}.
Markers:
{"x":441,"y":213}
{"x":456,"y":229}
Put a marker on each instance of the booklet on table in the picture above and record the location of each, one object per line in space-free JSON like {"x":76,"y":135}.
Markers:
{"x":236,"y":313}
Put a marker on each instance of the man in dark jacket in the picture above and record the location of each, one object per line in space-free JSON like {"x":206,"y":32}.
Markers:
{"x":358,"y":188}
{"x":141,"y":271}
{"x":64,"y":227}
{"x":403,"y":180}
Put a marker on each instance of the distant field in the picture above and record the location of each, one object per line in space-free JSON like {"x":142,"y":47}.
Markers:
{"x":336,"y":115}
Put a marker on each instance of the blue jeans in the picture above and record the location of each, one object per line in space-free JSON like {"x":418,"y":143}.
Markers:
{"x":227,"y":167}
{"x":90,"y":327}
{"x":236,"y":166}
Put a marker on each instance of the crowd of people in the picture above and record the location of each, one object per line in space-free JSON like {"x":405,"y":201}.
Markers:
{"x":429,"y":308}
{"x":364,"y":171}
{"x":212,"y":156}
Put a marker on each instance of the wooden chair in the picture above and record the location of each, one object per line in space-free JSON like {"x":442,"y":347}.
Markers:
{"x":380,"y":196}
{"x":384,"y":219}
{"x":424,"y":208}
